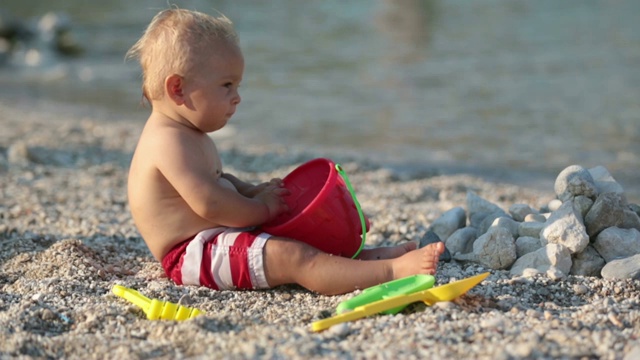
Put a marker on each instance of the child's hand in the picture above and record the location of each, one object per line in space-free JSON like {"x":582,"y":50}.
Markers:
{"x":256,"y":189}
{"x":272,"y":195}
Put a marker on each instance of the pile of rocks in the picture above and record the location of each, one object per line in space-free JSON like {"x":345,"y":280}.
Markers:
{"x":590,"y":229}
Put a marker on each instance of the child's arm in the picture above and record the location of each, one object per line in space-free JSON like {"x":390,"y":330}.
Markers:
{"x":190,"y":173}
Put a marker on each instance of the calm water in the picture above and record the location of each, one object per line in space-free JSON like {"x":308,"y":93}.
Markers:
{"x":503,"y":88}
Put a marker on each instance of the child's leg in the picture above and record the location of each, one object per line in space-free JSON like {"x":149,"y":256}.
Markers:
{"x":289,"y":261}
{"x":387,"y":252}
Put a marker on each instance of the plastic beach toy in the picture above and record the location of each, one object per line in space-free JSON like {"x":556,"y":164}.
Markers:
{"x":154,"y":308}
{"x":324,"y":211}
{"x":404,"y":286}
{"x":431,"y":296}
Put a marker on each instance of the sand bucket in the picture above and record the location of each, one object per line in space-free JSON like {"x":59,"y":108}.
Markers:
{"x":324,"y":211}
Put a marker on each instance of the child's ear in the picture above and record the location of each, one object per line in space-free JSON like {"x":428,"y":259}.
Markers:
{"x":174,"y":88}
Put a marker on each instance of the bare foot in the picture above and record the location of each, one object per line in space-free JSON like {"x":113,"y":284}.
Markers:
{"x":421,"y":261}
{"x":387,"y":252}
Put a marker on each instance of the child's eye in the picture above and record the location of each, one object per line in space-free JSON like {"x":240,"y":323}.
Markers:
{"x":228,"y":85}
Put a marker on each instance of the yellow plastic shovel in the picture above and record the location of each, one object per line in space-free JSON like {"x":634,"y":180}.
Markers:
{"x":431,"y":296}
{"x":154,"y":308}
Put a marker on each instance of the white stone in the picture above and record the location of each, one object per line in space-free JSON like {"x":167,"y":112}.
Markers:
{"x":573,"y":181}
{"x":495,"y":249}
{"x":461,"y":241}
{"x":520,"y":211}
{"x":479,"y":208}
{"x":565,"y":227}
{"x":449,"y":222}
{"x":531,"y":229}
{"x":507,"y":223}
{"x":588,"y":262}
{"x":616,"y":243}
{"x":527,"y":244}
{"x":543,"y":259}
{"x":604,"y":181}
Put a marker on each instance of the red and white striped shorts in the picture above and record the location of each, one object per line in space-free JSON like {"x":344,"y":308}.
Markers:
{"x":220,"y":258}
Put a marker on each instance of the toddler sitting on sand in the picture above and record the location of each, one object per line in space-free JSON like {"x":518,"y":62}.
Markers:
{"x":203,"y":223}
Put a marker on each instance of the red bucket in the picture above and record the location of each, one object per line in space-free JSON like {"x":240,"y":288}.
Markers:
{"x":323,"y":212}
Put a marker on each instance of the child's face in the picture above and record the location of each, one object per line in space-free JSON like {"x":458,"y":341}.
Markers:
{"x":213,"y":91}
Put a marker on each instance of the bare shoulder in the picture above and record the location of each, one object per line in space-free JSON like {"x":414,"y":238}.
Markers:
{"x":161,"y":138}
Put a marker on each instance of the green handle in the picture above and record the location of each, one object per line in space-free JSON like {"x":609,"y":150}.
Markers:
{"x":404,"y":286}
{"x":355,"y":201}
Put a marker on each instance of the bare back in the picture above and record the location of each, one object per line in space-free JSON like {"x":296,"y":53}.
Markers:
{"x":165,"y":158}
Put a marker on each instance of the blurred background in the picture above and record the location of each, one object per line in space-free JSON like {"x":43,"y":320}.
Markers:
{"x":512,"y":90}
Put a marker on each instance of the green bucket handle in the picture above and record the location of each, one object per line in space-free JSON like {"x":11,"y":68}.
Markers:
{"x":355,"y":201}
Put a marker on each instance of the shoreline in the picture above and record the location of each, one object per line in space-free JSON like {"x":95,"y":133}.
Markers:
{"x":66,"y":238}
{"x":539,"y":179}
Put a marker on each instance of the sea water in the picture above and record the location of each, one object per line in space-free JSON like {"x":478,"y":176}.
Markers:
{"x":513,"y":90}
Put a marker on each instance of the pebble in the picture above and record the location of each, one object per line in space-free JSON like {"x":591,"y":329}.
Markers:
{"x":445,"y":305}
{"x":580,"y":289}
{"x":339,"y":330}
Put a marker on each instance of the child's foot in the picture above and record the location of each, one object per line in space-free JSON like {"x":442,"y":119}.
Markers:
{"x":421,"y":261}
{"x":387,"y":252}
{"x":431,"y":237}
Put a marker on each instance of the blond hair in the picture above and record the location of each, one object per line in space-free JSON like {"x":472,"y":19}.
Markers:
{"x":174,"y":43}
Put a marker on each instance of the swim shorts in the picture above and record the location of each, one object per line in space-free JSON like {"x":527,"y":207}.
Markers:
{"x":219,"y":258}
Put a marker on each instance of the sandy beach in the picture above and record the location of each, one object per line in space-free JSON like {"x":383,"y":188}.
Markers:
{"x":66,"y":238}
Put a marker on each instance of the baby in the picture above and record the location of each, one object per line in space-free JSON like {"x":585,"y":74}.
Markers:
{"x":201,"y":222}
